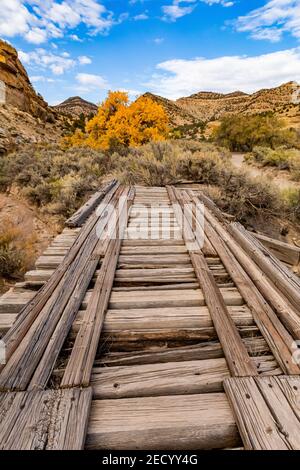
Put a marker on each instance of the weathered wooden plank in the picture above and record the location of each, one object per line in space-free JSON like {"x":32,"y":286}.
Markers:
{"x":79,"y":367}
{"x":172,"y":378}
{"x":278,"y":338}
{"x":181,"y":317}
{"x":18,"y":370}
{"x":47,"y":361}
{"x":284,"y":309}
{"x":257,"y":346}
{"x":44,"y":420}
{"x":152,"y":423}
{"x":86,"y":210}
{"x":12,"y":301}
{"x":284,"y":279}
{"x":7,"y":321}
{"x":265,"y":417}
{"x":149,"y":242}
{"x":153,"y":259}
{"x":238,"y":359}
{"x":285,"y":252}
{"x":31,"y":311}
{"x":154,"y":299}
{"x":156,"y":250}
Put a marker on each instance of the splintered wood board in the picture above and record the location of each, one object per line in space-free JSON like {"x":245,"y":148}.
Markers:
{"x":44,"y":420}
{"x":267,"y":411}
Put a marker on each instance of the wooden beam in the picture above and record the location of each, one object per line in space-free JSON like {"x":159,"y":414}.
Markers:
{"x":30,"y":312}
{"x":44,"y":420}
{"x":238,"y":359}
{"x":86,"y":210}
{"x":286,"y":281}
{"x":79,"y":367}
{"x":285,"y":252}
{"x":183,"y":422}
{"x":267,"y":411}
{"x":172,"y":378}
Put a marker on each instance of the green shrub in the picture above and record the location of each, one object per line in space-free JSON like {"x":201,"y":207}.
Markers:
{"x":291,"y":197}
{"x":268,"y":157}
{"x":243,"y":133}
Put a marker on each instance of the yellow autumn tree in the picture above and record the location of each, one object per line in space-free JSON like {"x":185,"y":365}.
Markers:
{"x":125,"y":123}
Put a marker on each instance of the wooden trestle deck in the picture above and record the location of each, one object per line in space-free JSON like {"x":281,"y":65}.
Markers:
{"x":152,"y":343}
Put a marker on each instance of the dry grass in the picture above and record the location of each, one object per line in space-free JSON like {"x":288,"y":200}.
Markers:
{"x":16,"y":250}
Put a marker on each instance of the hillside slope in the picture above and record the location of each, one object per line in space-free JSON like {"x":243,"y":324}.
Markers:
{"x":75,"y":106}
{"x":209,"y":106}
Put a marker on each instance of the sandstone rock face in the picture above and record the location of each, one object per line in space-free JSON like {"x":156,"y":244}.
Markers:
{"x":25,"y":117}
{"x":15,"y":87}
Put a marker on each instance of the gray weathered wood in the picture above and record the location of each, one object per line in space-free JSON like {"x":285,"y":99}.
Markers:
{"x":267,"y":411}
{"x":44,"y":420}
{"x":86,"y":210}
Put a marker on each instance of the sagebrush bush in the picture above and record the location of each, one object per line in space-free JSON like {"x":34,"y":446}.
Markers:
{"x":291,"y":196}
{"x":59,"y":180}
{"x":282,"y":158}
{"x":54,"y":179}
{"x":16,"y":250}
{"x":161,"y":163}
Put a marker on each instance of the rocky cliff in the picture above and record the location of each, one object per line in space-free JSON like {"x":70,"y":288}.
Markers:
{"x":24,"y":115}
{"x":16,"y":88}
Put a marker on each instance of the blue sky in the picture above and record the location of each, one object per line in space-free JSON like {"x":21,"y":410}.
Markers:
{"x":170,"y":47}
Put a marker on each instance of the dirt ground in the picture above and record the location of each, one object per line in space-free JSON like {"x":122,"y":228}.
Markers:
{"x":31,"y":222}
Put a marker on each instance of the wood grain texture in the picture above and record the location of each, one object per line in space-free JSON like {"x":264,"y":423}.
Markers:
{"x":157,"y":423}
{"x":172,"y":378}
{"x":79,"y":367}
{"x":32,"y":309}
{"x":277,"y":336}
{"x":44,"y":420}
{"x":86,"y":210}
{"x":285,"y":281}
{"x":285,"y":252}
{"x":238,"y":359}
{"x":267,"y":411}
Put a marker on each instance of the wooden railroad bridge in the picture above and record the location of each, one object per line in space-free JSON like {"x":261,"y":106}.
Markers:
{"x":168,"y":342}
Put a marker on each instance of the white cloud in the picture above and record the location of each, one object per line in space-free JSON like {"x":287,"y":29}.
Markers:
{"x":74,"y":37}
{"x":88,"y":82}
{"x":14,"y":18}
{"x":180,"y":8}
{"x":41,"y":78}
{"x":272,"y":20}
{"x":84,"y":60}
{"x":158,"y":41}
{"x":43,"y":60}
{"x":179,"y":77}
{"x":141,"y":17}
{"x":37,"y":21}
